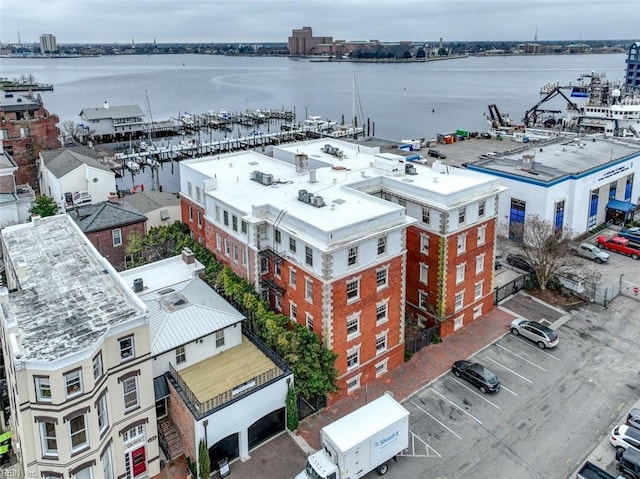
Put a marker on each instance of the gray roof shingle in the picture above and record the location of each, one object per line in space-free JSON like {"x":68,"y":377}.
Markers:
{"x":145,"y":201}
{"x":120,"y":111}
{"x":63,"y":161}
{"x":104,"y":216}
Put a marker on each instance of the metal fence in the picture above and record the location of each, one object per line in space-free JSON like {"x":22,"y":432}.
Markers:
{"x":416,"y":340}
{"x":512,"y":287}
{"x":307,"y":407}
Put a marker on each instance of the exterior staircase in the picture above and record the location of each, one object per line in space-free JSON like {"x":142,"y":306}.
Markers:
{"x":169,"y":440}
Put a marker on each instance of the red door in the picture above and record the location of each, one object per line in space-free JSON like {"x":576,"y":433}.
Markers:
{"x":139,"y":462}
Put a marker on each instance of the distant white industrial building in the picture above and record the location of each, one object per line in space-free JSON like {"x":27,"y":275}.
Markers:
{"x":48,"y":43}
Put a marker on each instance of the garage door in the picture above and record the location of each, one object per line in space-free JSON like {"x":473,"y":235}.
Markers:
{"x":226,"y":448}
{"x":266,"y":427}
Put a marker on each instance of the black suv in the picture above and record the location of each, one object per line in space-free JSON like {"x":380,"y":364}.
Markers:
{"x":628,"y":463}
{"x":437,"y":153}
{"x":477,"y":375}
{"x":633,"y":418}
{"x":520,"y":262}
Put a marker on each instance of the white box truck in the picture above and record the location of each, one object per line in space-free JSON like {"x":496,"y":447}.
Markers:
{"x":361,"y":441}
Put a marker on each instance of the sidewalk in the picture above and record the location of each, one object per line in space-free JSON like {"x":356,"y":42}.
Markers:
{"x":424,"y":367}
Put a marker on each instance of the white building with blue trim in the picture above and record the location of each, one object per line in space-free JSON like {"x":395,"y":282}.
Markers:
{"x":576,"y":183}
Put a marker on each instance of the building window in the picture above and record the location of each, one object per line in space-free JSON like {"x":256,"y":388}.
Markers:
{"x":559,"y":217}
{"x":422,"y":300}
{"x":482,"y":232}
{"x":264,"y":265}
{"x":292,"y":245}
{"x":220,"y":338}
{"x":244,"y":256}
{"x":218,"y":241}
{"x":477,"y":311}
{"x":353,"y":358}
{"x":48,"y":439}
{"x":190,"y":213}
{"x":353,"y":290}
{"x":478,"y":290}
{"x":308,"y":255}
{"x":613,"y":189}
{"x":424,"y":244}
{"x":308,"y":290}
{"x":309,"y":320}
{"x":116,"y":235}
{"x":236,"y":256}
{"x":43,"y":389}
{"x":381,"y":367}
{"x":277,"y":269}
{"x":460,"y":269}
{"x":4,"y":134}
{"x":217,"y":213}
{"x":198,"y":194}
{"x":458,"y":322}
{"x":381,"y":343}
{"x":73,"y":383}
{"x":480,"y":263}
{"x":126,"y":348}
{"x":189,"y":189}
{"x":481,"y":206}
{"x":382,"y":312}
{"x":461,"y":215}
{"x":593,"y":208}
{"x":426,"y":216}
{"x":382,"y":245}
{"x":462,"y":243}
{"x":107,"y":464}
{"x":382,"y":277}
{"x":227,"y":248}
{"x":234,"y":223}
{"x":516,"y":220}
{"x":353,"y":384}
{"x":278,"y":303}
{"x":243,"y":227}
{"x":459,"y":301}
{"x":402,"y":202}
{"x":199,"y":218}
{"x":628,"y":188}
{"x":130,"y":390}
{"x":78,"y":433}
{"x":293,"y":311}
{"x":103,"y":418}
{"x":278,"y":236}
{"x":292,"y":278}
{"x":353,"y":325}
{"x":97,"y":366}
{"x":352,"y":256}
{"x":225,"y":217}
{"x":424,"y":273}
{"x":181,"y":354}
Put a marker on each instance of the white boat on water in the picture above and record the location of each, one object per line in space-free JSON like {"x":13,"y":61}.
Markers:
{"x":133,"y":166}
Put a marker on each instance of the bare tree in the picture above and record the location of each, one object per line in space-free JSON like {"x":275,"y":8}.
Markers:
{"x":546,"y":248}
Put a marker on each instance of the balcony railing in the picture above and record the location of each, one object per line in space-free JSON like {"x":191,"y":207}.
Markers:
{"x":205,"y":408}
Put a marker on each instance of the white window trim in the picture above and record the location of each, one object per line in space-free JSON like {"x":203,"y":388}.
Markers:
{"x":46,"y":452}
{"x":384,"y":302}
{"x":386,"y":277}
{"x":456,"y":306}
{"x":381,"y":368}
{"x":477,"y":311}
{"x":353,"y":316}
{"x":71,"y":375}
{"x":422,"y":294}
{"x":356,"y":350}
{"x":356,"y":381}
{"x":462,"y":243}
{"x":424,"y":267}
{"x":102,"y":405}
{"x":480,"y":263}
{"x":308,"y":297}
{"x":461,"y":271}
{"x":293,"y":278}
{"x":458,"y":322}
{"x":135,"y":390}
{"x":383,"y":335}
{"x":118,"y":236}
{"x":424,"y":244}
{"x":85,"y":444}
{"x":39,"y":383}
{"x":133,"y":349}
{"x":293,"y":306}
{"x":477,"y":296}
{"x":482,"y":235}
{"x":357,"y":297}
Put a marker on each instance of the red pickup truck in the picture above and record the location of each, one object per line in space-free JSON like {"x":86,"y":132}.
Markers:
{"x":619,"y":245}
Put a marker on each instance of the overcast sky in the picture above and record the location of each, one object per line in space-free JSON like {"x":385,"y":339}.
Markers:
{"x":219,"y":21}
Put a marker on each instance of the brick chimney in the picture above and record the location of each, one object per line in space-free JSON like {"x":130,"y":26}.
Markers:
{"x":187,"y":256}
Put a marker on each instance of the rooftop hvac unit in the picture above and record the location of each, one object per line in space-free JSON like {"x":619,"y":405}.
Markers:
{"x":256,"y":176}
{"x":267,"y":179}
{"x":302,"y":194}
{"x":138,"y":285}
{"x":317,"y":201}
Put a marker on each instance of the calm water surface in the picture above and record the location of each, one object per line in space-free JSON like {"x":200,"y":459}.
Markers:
{"x":408,"y":100}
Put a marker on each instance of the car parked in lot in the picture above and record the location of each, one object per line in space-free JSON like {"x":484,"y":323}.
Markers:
{"x":540,"y":334}
{"x":633,"y":418}
{"x":476,"y":374}
{"x":624,"y":436}
{"x":520,"y":262}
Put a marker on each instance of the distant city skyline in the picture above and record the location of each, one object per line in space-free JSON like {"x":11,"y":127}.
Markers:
{"x":255,"y":21}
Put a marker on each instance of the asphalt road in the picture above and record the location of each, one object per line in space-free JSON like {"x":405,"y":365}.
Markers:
{"x":555,"y":406}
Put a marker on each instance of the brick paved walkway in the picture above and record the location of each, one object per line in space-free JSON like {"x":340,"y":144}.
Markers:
{"x":425,"y":366}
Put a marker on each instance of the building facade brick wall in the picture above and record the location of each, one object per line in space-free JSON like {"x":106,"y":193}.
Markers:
{"x":184,"y":422}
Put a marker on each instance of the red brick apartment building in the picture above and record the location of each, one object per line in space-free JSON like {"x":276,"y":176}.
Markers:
{"x":336,"y":244}
{"x":26,"y":128}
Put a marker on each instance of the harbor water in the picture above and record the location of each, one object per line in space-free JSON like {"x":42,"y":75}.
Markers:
{"x":395,"y":100}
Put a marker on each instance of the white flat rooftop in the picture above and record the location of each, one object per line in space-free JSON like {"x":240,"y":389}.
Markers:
{"x":559,"y":160}
{"x":344,"y":183}
{"x":69,"y":295}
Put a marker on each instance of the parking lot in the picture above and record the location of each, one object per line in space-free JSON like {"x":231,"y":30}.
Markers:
{"x":554,"y":408}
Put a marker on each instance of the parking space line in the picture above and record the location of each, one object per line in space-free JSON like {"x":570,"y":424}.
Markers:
{"x":527,"y":343}
{"x":512,"y":371}
{"x":425,"y":412}
{"x":508,"y":390}
{"x":412,"y":450}
{"x":458,"y":407}
{"x":521,"y":357}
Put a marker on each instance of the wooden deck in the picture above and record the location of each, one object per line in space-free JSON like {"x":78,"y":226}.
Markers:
{"x":226,"y":370}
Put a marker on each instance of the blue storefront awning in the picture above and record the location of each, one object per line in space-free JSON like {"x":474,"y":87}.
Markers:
{"x":619,"y":205}
{"x":160,"y":387}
